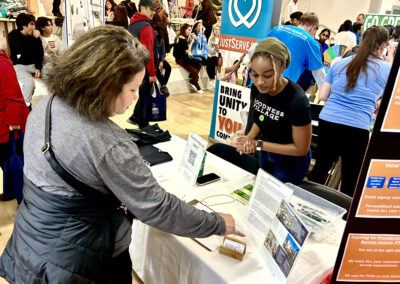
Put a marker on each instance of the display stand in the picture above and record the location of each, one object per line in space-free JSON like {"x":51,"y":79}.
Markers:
{"x":370,"y":247}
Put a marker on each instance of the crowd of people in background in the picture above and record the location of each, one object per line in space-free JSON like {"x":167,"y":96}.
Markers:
{"x":33,"y":44}
{"x":110,"y":66}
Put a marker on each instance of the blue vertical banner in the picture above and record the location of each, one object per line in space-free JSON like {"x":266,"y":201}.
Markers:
{"x":243,"y":23}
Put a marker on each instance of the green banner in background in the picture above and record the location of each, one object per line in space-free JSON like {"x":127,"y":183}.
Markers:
{"x":380,"y":20}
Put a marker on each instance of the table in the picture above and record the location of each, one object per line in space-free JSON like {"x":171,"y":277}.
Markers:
{"x":160,"y":257}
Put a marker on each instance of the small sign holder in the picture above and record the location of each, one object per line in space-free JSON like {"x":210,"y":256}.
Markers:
{"x":194,"y":157}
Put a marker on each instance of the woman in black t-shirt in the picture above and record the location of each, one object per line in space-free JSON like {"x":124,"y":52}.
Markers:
{"x":282,"y":120}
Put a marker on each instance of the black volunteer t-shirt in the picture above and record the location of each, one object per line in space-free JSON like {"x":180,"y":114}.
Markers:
{"x":275,"y":115}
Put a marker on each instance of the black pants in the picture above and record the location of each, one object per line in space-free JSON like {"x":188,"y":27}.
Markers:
{"x":338,"y":140}
{"x":192,"y":66}
{"x":122,"y":268}
{"x":56,"y":6}
{"x":3,"y":153}
{"x":212,"y":63}
{"x":139,"y":111}
{"x":207,"y":32}
{"x":163,"y":79}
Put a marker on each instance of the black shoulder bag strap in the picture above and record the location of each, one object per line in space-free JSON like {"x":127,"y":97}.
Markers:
{"x":108,"y":201}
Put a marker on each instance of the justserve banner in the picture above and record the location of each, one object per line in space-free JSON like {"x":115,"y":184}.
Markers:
{"x":243,"y":23}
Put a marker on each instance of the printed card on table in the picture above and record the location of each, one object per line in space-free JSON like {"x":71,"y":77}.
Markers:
{"x":243,"y":194}
{"x":193,"y":156}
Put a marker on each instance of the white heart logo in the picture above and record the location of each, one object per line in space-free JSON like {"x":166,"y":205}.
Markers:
{"x":244,"y":19}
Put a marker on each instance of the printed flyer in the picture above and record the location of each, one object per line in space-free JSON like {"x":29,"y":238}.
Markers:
{"x":371,"y":258}
{"x":381,"y":195}
{"x":284,"y":241}
{"x":266,"y":197}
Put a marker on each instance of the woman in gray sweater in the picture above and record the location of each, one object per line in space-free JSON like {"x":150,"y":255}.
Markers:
{"x":60,"y":236}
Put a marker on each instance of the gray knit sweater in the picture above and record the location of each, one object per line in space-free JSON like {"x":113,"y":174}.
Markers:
{"x":102,"y":155}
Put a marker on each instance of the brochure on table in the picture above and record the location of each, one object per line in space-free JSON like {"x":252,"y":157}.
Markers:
{"x":193,"y":157}
{"x":266,"y":197}
{"x":284,"y":233}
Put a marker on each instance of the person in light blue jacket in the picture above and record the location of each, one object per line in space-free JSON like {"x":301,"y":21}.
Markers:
{"x":199,"y":47}
{"x":351,"y":89}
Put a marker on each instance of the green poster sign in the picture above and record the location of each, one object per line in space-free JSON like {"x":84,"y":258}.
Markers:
{"x":380,"y":20}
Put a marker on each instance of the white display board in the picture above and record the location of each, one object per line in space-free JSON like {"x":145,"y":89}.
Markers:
{"x":81,"y":16}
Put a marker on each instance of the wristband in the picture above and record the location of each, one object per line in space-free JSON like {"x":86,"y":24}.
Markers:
{"x":259,"y":145}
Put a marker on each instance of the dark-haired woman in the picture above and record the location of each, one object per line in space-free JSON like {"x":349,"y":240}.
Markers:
{"x":351,"y":89}
{"x":120,"y":16}
{"x":281,"y":113}
{"x":199,"y":47}
{"x":63,"y":234}
{"x":345,"y":36}
{"x":182,"y":47}
{"x":323,"y":37}
{"x":109,"y":10}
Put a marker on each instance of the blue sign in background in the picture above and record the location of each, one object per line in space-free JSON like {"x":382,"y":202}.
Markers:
{"x":262,"y":24}
{"x":376,"y":182}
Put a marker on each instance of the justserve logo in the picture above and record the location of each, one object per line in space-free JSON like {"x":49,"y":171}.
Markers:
{"x":244,"y":19}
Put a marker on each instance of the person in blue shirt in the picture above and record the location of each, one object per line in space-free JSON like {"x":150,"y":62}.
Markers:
{"x":351,"y":89}
{"x":304,"y":50}
{"x":356,"y":29}
{"x":199,"y":47}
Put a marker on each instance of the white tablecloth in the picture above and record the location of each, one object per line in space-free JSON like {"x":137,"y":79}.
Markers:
{"x":158,"y":257}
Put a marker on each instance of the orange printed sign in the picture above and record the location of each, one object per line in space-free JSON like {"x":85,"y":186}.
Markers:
{"x":391,"y":123}
{"x":236,"y":43}
{"x":372,"y":258}
{"x":381,"y":192}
